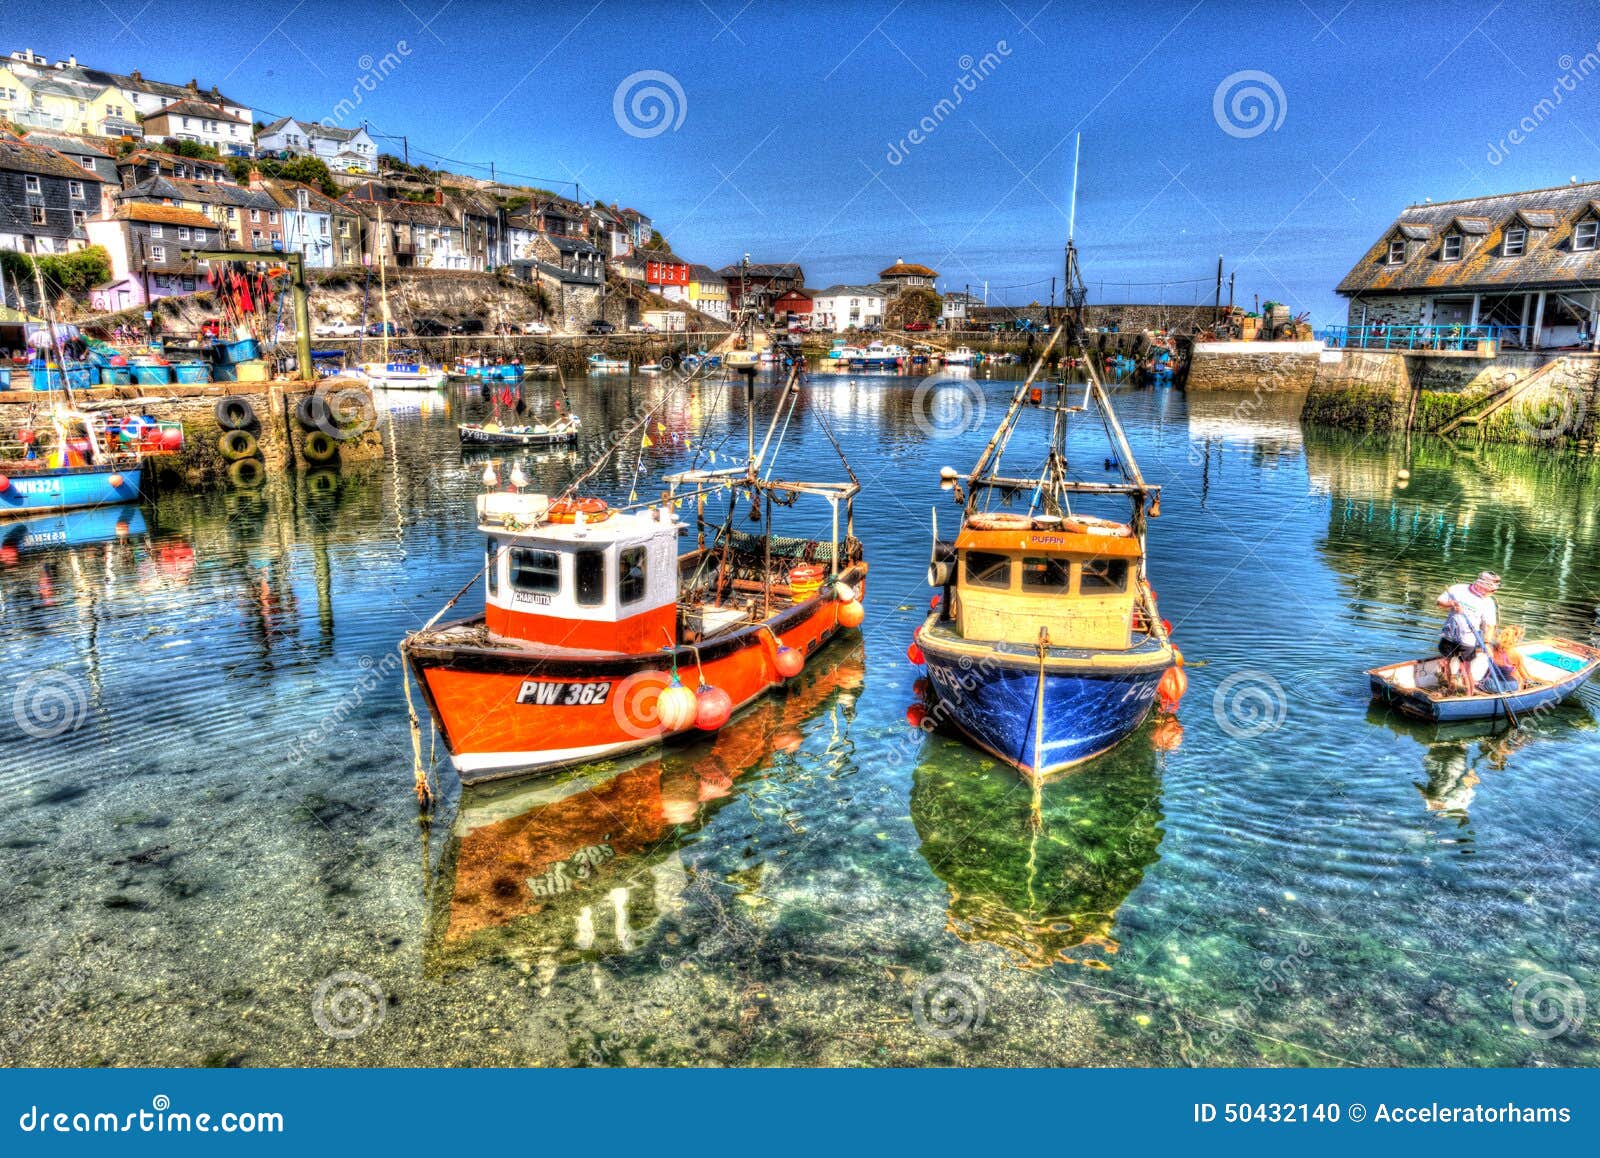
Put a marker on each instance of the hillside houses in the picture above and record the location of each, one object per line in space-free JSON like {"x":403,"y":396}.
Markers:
{"x":46,"y":200}
{"x":344,"y":150}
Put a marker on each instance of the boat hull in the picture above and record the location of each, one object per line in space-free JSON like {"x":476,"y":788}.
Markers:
{"x":1092,"y":702}
{"x":30,"y":491}
{"x":507,"y":711}
{"x":480,"y":437}
{"x":1486,"y":706}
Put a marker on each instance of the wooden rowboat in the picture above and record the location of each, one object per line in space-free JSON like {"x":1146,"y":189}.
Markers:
{"x":1559,"y":667}
{"x":492,"y":434}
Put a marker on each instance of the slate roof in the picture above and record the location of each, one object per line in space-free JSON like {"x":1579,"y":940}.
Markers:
{"x":850,"y":291}
{"x":61,"y":143}
{"x":762,"y":269}
{"x":1548,"y":258}
{"x":18,"y":156}
{"x":190,"y":107}
{"x":907,"y":269}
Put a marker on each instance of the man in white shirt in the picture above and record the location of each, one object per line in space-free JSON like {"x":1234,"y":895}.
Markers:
{"x":1474,"y":604}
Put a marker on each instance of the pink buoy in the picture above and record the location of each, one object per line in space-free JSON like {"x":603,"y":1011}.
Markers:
{"x":713,"y":707}
{"x":789,"y":662}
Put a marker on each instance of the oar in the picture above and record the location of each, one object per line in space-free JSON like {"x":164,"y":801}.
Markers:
{"x":1498,"y":703}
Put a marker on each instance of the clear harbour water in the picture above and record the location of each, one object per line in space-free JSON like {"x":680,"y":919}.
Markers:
{"x":212,"y":855}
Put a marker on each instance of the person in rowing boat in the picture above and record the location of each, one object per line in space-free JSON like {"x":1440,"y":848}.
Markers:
{"x":1473,"y":616}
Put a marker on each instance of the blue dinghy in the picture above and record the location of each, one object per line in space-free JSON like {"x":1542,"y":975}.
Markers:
{"x":1558,"y":667}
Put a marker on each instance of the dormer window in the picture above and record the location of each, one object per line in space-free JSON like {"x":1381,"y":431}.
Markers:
{"x":1587,"y":234}
{"x":1397,"y":251}
{"x":1516,"y":242}
{"x":1451,"y":250}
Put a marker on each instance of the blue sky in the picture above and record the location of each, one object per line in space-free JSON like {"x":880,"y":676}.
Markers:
{"x":789,"y":128}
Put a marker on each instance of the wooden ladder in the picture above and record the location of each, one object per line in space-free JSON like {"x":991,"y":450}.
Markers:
{"x":1497,"y":401}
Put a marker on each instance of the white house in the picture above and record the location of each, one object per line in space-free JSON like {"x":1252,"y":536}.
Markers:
{"x":308,"y":221}
{"x":199,"y":120}
{"x":845,"y":307}
{"x":135,"y":96}
{"x":344,"y":150}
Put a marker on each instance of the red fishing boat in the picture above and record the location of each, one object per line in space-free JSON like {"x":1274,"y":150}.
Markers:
{"x":598,"y":638}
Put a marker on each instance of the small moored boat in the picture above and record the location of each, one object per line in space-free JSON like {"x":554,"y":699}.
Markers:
{"x":1559,"y":668}
{"x":563,"y":429}
{"x":600,"y":364}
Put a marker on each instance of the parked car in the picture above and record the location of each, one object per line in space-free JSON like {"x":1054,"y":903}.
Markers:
{"x":429,"y":328}
{"x":375,"y":329}
{"x":337,"y":330}
{"x":601,"y":326}
{"x":918,"y":326}
{"x":468,"y":326}
{"x":641,"y":328}
{"x":536,"y":328}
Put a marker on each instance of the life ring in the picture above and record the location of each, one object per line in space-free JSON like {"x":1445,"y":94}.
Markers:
{"x":568,"y":510}
{"x":235,"y":413}
{"x":247,"y":473}
{"x":237,"y":444}
{"x":1093,"y":525}
{"x":999,"y":521}
{"x":319,"y":446}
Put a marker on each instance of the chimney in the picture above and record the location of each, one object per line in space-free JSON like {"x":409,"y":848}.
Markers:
{"x":255,"y":177}
{"x":194,"y":87}
{"x":136,"y":75}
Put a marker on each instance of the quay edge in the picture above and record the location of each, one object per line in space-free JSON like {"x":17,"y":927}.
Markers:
{"x":280,"y":436}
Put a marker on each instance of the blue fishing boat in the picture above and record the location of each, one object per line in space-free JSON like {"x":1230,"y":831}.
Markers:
{"x":28,"y":487}
{"x":503,"y":372}
{"x":1045,"y":647}
{"x":1557,"y":669}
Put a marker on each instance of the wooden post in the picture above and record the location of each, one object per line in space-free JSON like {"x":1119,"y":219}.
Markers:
{"x":1538,"y":322}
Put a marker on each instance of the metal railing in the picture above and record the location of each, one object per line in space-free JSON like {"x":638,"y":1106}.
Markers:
{"x":1452,"y":337}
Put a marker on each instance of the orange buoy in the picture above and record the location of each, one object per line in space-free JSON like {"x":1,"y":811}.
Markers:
{"x":789,"y":662}
{"x":933,"y":604}
{"x":5,"y":483}
{"x":713,"y":706}
{"x":115,"y":481}
{"x":914,"y":654}
{"x":1177,"y":657}
{"x":568,"y":510}
{"x":1166,"y":626}
{"x":676,"y":706}
{"x":1171,"y":688}
{"x":851,"y":614}
{"x":915,"y":714}
{"x":921,"y":688}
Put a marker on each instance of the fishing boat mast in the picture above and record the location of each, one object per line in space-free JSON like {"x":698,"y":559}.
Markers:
{"x":1051,"y":490}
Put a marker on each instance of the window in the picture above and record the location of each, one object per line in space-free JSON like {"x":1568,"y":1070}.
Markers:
{"x":1452,"y":248}
{"x":38,"y":214}
{"x":255,"y":215}
{"x":75,"y":190}
{"x":31,"y":183}
{"x":158,"y":253}
{"x":80,"y":218}
{"x":1046,"y":574}
{"x":535,"y":570}
{"x":491,"y":556}
{"x":272,"y":217}
{"x":200,"y":239}
{"x":1586,"y":235}
{"x":589,"y":571}
{"x":631,"y":575}
{"x":1516,"y":241}
{"x":1397,"y":251}
{"x":987,"y":569}
{"x":155,"y":231}
{"x":183,"y":233}
{"x":1103,"y":577}
{"x":233,"y":214}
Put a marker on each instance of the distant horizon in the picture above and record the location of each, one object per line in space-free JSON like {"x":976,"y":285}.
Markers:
{"x":942,"y":135}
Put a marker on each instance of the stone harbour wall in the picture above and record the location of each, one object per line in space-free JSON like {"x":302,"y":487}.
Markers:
{"x":279,"y":435}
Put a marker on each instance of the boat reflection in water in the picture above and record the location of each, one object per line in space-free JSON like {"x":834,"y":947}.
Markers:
{"x":1040,"y":870}
{"x":586,"y":864}
{"x":1456,"y":756}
